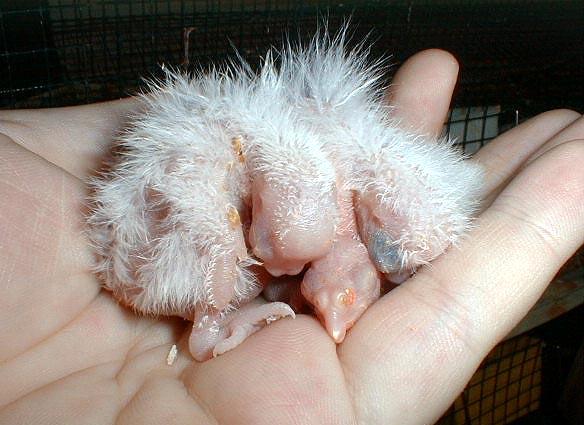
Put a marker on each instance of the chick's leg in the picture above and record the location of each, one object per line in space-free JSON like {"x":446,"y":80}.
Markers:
{"x":216,"y":333}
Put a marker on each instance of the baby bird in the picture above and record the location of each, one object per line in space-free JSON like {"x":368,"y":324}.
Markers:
{"x":297,"y":167}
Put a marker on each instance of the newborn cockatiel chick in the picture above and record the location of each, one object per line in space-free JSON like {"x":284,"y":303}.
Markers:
{"x":292,"y":167}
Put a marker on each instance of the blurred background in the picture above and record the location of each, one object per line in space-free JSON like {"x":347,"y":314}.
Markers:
{"x":518,"y":58}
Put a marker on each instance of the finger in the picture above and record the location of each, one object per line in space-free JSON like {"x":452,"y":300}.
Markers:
{"x":438,"y":326}
{"x":421,"y":91}
{"x":570,"y":132}
{"x":284,"y":365}
{"x":505,"y":155}
{"x":73,"y":138}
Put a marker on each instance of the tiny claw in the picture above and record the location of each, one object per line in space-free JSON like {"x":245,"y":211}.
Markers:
{"x":384,"y":253}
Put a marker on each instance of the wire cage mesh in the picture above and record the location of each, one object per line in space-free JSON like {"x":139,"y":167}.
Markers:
{"x":506,"y":387}
{"x":521,"y":54}
{"x":517,"y":58}
{"x":521,"y":380}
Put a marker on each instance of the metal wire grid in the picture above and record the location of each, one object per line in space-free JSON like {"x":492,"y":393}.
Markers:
{"x":524,"y":378}
{"x":506,"y":387}
{"x":473,"y":127}
{"x":82,"y":51}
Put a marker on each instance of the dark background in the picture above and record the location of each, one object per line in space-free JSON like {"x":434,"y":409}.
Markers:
{"x":522,"y":55}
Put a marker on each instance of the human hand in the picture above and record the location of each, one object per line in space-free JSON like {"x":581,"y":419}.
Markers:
{"x":71,"y":354}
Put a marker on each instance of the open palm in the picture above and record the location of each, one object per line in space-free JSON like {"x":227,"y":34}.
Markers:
{"x":70,"y":354}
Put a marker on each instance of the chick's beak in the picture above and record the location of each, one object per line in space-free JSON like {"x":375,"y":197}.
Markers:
{"x":336,"y":327}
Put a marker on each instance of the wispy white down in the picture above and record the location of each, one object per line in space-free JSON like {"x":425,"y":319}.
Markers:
{"x":312,"y":115}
